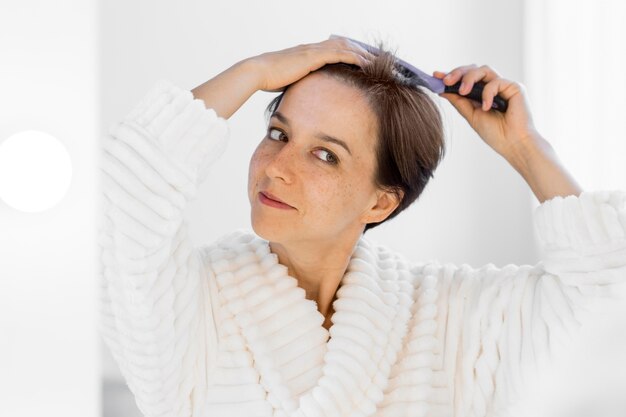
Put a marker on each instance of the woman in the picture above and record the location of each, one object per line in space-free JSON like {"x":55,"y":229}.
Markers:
{"x":306,"y":316}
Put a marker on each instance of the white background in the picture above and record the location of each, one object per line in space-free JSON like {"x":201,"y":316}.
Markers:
{"x":74,"y":68}
{"x":49,"y":348}
{"x":475,"y":210}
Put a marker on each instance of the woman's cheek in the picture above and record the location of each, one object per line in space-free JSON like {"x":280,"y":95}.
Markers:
{"x":254,"y":173}
{"x":257,"y":162}
{"x":332,"y":194}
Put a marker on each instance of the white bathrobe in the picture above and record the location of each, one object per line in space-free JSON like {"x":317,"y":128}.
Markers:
{"x":223,"y":330}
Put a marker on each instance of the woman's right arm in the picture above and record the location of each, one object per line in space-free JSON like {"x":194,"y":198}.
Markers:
{"x":227,"y":92}
{"x":272,"y":71}
{"x":156,"y":315}
{"x":158,"y":302}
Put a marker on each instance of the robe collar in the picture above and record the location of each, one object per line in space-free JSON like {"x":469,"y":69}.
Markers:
{"x":303,"y":372}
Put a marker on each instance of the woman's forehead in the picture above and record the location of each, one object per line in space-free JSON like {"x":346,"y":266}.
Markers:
{"x":327,"y":89}
{"x":322,"y":103}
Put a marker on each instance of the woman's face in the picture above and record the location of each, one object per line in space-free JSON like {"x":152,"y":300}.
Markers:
{"x":330,"y":189}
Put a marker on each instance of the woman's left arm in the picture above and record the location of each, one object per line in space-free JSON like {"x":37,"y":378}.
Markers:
{"x":581,"y":231}
{"x":511,"y":134}
{"x":504,"y":321}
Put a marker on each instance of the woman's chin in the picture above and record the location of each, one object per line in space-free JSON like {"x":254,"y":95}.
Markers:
{"x":266,"y":231}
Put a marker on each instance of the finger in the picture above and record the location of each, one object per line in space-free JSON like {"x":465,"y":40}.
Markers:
{"x":501,"y":86}
{"x":362,"y":50}
{"x":345,"y":43}
{"x":464,"y":106}
{"x":455,"y":75}
{"x":349,"y":56}
{"x":489,"y":92}
{"x":367,"y":54}
{"x":335,"y":50}
{"x":474,"y":75}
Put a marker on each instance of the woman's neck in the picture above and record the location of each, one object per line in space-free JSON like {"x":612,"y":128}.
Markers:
{"x":318,"y":268}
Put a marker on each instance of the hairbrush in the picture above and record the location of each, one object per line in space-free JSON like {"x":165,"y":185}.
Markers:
{"x":435,"y":84}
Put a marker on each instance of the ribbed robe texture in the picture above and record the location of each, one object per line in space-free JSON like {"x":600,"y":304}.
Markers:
{"x":223,"y":330}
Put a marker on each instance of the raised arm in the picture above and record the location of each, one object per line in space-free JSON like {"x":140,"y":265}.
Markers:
{"x":503,"y":326}
{"x":273,"y":71}
{"x":158,"y":305}
{"x":512,"y":134}
{"x":158,"y":302}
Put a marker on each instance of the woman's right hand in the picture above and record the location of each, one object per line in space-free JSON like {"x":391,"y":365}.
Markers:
{"x":273,"y":71}
{"x":278,"y":69}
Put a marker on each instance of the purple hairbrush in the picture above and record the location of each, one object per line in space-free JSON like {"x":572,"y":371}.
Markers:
{"x":432,"y":83}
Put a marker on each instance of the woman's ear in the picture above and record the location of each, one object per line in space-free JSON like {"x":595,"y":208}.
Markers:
{"x":386,"y":202}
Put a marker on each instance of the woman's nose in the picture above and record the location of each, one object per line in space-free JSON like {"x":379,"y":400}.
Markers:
{"x":280,"y":164}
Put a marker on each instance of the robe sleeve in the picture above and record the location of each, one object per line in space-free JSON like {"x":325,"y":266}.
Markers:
{"x":155,"y":301}
{"x":585,"y":241}
{"x":502,"y":326}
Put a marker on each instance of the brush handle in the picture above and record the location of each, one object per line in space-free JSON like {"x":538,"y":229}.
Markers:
{"x":476,"y":94}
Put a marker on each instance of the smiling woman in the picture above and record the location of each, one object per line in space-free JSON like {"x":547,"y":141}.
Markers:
{"x":305,"y":316}
{"x":330,"y":187}
{"x":408,"y":135}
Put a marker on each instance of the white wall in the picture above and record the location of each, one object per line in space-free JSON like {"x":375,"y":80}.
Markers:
{"x":571,"y":49}
{"x":476,"y":210}
{"x":55,"y":71}
{"x":49,"y":358}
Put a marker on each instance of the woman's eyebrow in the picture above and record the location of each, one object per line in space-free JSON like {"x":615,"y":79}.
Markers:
{"x":319,"y":135}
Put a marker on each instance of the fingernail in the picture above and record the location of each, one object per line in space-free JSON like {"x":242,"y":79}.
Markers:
{"x":462,"y":87}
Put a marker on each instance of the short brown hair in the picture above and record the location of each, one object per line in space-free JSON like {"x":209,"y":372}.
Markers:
{"x":410,"y":142}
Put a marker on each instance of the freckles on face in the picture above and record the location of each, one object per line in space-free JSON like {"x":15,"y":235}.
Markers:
{"x":333,"y":192}
{"x":292,"y":162}
{"x":339,"y":200}
{"x":253,"y":177}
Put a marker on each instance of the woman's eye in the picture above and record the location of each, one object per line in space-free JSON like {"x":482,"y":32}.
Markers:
{"x":330,"y":157}
{"x":275,"y":137}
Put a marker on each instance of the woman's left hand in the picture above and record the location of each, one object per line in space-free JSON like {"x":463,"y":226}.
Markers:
{"x":511,"y":133}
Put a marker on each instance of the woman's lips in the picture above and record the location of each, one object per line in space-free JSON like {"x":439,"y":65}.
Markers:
{"x":273,"y":203}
